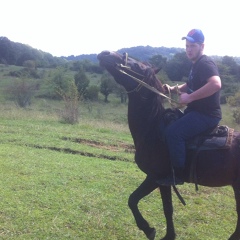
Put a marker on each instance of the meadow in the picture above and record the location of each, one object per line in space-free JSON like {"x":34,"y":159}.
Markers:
{"x":61,"y":181}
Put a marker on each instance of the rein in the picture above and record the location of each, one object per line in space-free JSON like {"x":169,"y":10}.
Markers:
{"x":142,"y":83}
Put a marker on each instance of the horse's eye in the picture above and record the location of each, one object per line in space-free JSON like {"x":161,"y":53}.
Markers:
{"x":137,"y":67}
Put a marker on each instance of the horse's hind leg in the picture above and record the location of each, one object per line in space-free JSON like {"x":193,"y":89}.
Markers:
{"x":147,"y":186}
{"x":166,"y":194}
{"x":236,"y":188}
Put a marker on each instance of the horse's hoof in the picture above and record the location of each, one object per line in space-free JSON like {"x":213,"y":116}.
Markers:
{"x":152,"y":235}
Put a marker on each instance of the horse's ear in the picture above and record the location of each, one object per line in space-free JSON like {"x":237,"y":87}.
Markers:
{"x":157,"y":70}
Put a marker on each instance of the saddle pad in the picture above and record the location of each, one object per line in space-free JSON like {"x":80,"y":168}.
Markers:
{"x":214,"y":141}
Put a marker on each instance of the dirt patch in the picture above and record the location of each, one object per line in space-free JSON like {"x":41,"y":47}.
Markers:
{"x":129,"y":148}
{"x":83,"y":153}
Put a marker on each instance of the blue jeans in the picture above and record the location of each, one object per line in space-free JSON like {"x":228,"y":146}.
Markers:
{"x":186,"y":127}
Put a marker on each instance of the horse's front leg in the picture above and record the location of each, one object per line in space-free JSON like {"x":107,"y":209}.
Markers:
{"x":147,"y":186}
{"x":166,"y":195}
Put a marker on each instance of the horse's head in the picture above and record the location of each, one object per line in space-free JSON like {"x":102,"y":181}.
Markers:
{"x":126,"y":70}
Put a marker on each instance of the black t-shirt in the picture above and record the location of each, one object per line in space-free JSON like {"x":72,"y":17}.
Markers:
{"x":201,"y":71}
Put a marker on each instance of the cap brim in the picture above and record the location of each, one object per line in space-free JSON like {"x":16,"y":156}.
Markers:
{"x":189,"y":39}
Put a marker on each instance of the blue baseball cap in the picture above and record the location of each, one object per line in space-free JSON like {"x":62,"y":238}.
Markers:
{"x":195,"y":36}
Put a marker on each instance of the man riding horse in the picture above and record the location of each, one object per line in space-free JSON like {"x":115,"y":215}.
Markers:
{"x":201,"y":94}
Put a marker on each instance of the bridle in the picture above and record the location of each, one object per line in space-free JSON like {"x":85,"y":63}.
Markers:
{"x":121,"y":68}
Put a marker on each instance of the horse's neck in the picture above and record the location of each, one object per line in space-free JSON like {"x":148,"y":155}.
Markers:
{"x":139,"y":115}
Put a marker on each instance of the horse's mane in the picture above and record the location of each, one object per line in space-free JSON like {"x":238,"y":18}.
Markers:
{"x":154,"y":104}
{"x":157,"y":104}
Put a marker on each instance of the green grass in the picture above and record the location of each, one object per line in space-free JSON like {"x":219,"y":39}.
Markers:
{"x":51,"y":195}
{"x":61,"y":181}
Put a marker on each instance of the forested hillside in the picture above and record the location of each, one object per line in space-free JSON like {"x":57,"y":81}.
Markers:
{"x":84,"y":70}
{"x":13,"y":53}
{"x":143,"y":53}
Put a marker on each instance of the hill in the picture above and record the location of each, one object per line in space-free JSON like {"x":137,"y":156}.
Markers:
{"x":14,"y":53}
{"x":142,"y":53}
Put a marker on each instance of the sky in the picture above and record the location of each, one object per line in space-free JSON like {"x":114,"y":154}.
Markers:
{"x":76,"y":27}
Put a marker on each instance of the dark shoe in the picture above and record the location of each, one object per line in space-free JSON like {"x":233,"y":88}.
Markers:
{"x":170,"y":181}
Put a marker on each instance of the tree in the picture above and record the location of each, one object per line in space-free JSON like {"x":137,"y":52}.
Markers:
{"x":121,"y":92}
{"x":7,"y":51}
{"x":230,"y":81}
{"x":158,"y":61}
{"x":178,"y":67}
{"x":107,"y":85}
{"x":234,"y":102}
{"x":230,"y":63}
{"x":81,"y":81}
{"x":79,"y":65}
{"x":59,"y":80}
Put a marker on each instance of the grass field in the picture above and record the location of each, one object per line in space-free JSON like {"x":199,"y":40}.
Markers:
{"x":61,"y":181}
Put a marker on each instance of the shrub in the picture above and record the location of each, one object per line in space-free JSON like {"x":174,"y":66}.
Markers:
{"x":21,"y":92}
{"x":92,"y":93}
{"x":70,"y":112}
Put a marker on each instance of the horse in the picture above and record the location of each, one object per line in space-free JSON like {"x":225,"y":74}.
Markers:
{"x":214,"y":168}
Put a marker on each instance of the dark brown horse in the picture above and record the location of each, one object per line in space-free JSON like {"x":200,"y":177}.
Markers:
{"x":215,"y":168}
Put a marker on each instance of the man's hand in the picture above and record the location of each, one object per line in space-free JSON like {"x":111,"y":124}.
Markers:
{"x":168,"y":88}
{"x":185,"y":98}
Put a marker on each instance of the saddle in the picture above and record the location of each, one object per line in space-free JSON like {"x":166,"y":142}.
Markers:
{"x":219,"y":137}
